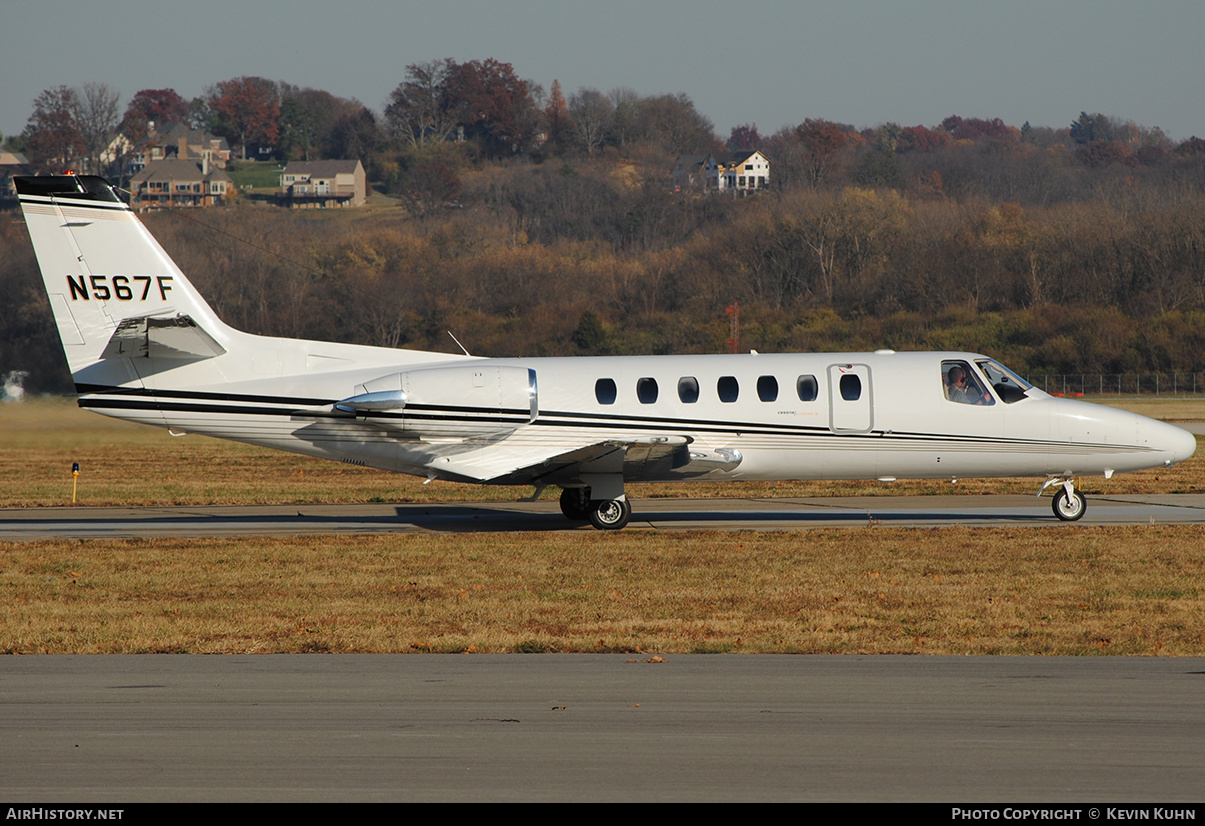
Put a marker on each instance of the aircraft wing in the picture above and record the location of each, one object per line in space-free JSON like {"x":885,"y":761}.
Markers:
{"x":515,"y":461}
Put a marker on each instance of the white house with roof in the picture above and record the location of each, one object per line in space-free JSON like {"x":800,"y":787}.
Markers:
{"x":737,"y":172}
{"x":741,"y":172}
{"x":323,"y":184}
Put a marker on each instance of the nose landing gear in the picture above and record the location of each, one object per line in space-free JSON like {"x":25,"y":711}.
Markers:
{"x":1069,"y":504}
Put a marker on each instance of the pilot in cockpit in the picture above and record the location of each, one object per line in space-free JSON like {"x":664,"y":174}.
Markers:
{"x":962,"y":387}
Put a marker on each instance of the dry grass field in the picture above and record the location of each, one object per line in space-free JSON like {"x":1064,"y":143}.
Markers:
{"x":1070,"y":590}
{"x":1126,"y":591}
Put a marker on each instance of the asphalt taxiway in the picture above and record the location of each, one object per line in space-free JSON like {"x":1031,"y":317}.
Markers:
{"x":107,"y":730}
{"x":649,"y":514}
{"x":115,"y":729}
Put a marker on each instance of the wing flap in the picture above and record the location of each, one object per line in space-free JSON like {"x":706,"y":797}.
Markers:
{"x":517,"y":463}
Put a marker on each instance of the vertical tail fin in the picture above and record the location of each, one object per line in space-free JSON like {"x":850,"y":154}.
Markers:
{"x":115,"y":293}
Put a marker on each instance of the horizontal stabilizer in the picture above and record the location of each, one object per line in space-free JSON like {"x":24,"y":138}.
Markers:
{"x":177,"y":337}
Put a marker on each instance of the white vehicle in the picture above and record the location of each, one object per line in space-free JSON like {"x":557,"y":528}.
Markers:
{"x":143,"y":345}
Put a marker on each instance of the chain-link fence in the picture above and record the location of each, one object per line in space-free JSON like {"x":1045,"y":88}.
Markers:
{"x":1118,"y":384}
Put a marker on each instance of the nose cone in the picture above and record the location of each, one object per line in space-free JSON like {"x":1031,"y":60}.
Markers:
{"x":1175,"y":442}
{"x":1129,"y":442}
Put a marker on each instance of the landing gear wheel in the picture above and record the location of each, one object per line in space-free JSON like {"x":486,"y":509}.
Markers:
{"x":610,"y":514}
{"x":575,"y":503}
{"x":1069,"y":507}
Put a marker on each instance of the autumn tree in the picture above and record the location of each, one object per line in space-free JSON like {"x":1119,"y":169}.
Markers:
{"x":158,"y":106}
{"x":494,"y":105}
{"x":429,"y":186}
{"x":1101,"y":153}
{"x":974,"y":129}
{"x":247,"y":110}
{"x":52,"y":135}
{"x":420,"y":110}
{"x":824,"y":143}
{"x":1191,"y":147}
{"x":744,"y":138}
{"x":921,"y":139}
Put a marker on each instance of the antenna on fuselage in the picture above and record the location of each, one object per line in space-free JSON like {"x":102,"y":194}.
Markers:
{"x":458,"y":344}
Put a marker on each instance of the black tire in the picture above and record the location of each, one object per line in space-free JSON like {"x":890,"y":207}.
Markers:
{"x":1068,"y":508}
{"x":575,"y":503}
{"x":610,"y":514}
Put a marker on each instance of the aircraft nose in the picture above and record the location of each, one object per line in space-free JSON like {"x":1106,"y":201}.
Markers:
{"x":1184,"y":444}
{"x":1176,"y":442}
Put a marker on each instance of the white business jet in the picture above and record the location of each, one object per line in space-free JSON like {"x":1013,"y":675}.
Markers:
{"x":143,"y":345}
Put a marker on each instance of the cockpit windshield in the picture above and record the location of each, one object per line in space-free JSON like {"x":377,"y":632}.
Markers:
{"x":1008,"y":385}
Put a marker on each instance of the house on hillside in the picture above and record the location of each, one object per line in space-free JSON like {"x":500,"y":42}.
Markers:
{"x":11,"y":163}
{"x":736,"y":172}
{"x":688,"y":171}
{"x":186,"y":182}
{"x":175,"y":140}
{"x":323,"y":184}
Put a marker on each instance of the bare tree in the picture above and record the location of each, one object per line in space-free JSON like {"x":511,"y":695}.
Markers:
{"x":674,"y":124}
{"x":420,"y":109}
{"x":98,"y":114}
{"x":624,"y":118}
{"x":591,"y":111}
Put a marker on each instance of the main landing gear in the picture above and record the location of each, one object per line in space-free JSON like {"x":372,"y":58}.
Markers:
{"x":604,"y":514}
{"x":1068,"y":504}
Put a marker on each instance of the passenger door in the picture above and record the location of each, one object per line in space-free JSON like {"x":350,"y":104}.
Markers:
{"x":850,"y":399}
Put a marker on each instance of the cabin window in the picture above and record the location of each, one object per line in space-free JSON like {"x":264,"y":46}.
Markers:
{"x":688,"y":389}
{"x":605,"y":391}
{"x":961,"y":384}
{"x":767,"y":388}
{"x":851,"y":387}
{"x":728,"y":388}
{"x":646,"y":390}
{"x":807,"y":388}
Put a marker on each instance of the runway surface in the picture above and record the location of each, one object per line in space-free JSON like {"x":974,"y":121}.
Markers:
{"x":653,"y":514}
{"x":113,"y":729}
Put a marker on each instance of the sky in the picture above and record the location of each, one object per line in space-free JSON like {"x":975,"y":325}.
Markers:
{"x":768,"y":62}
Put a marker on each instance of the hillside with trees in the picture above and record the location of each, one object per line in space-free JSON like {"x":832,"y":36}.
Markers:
{"x":534,"y":223}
